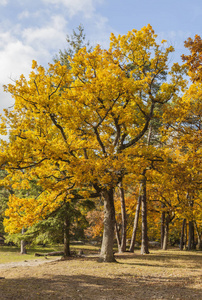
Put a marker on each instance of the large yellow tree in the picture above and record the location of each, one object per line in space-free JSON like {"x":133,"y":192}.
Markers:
{"x":81,"y":128}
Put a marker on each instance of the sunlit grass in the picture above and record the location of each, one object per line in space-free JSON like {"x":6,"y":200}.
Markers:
{"x":12,"y":253}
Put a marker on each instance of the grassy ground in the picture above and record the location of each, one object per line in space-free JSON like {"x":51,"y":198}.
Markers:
{"x":160,"y":275}
{"x":12,"y":254}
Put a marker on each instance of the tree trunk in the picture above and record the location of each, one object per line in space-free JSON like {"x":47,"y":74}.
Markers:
{"x":191,"y":236}
{"x":144,"y":246}
{"x":165,"y":240}
{"x":185,"y":237}
{"x":162,"y":226}
{"x":182,"y":235}
{"x":199,"y":237}
{"x":135,"y":226}
{"x":124,"y":221}
{"x":66,"y":232}
{"x":106,"y":254}
{"x":23,"y":244}
{"x":117,"y":237}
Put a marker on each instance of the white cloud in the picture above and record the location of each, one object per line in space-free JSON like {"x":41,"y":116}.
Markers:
{"x":86,"y":7}
{"x":19,"y":46}
{"x":15,"y":59}
{"x":4,"y":2}
{"x":24,"y":15}
{"x":47,"y":37}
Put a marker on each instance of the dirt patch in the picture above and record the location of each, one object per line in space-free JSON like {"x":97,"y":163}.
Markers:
{"x":26,"y":263}
{"x":156,"y":276}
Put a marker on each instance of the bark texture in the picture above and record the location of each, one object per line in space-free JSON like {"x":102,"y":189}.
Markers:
{"x":106,"y":254}
{"x":199,"y":237}
{"x":182,"y":235}
{"x":136,"y":219}
{"x":144,"y":246}
{"x":191,"y":236}
{"x":66,"y":232}
{"x":162,"y":226}
{"x":124,"y":221}
{"x":166,"y":231}
{"x":23,"y":244}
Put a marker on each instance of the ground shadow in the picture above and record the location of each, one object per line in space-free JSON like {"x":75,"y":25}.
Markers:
{"x":168,"y":259}
{"x":97,"y":288}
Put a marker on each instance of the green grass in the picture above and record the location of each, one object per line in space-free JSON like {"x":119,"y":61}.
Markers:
{"x":12,"y":253}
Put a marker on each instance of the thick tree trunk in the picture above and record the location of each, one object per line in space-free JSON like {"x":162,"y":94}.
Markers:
{"x":23,"y":244}
{"x":199,"y":237}
{"x":124,"y":221}
{"x":106,"y":254}
{"x":135,"y":226}
{"x":66,"y":233}
{"x":144,"y":246}
{"x":191,"y":236}
{"x":165,"y":240}
{"x":182,"y":235}
{"x":162,"y":226}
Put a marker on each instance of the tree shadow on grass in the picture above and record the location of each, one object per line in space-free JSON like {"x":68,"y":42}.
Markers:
{"x":168,"y":260}
{"x":122,"y":287}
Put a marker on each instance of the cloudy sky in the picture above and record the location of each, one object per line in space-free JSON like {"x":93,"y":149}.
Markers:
{"x":37,"y":29}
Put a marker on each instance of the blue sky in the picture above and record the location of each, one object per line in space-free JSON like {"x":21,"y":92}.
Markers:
{"x":37,"y":29}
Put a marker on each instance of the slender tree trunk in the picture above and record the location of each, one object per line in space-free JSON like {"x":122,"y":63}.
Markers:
{"x":191,"y":243}
{"x":106,"y":254}
{"x":23,"y":244}
{"x":182,"y":235}
{"x":185,"y":237}
{"x":144,"y":246}
{"x":135,"y":226}
{"x":66,"y":232}
{"x":124,"y":221}
{"x":118,"y":239}
{"x":191,"y":236}
{"x":199,"y":237}
{"x":162,"y":225}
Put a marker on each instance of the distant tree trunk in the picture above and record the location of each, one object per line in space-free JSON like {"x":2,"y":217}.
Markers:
{"x":118,"y":239}
{"x":191,"y":236}
{"x":106,"y":254}
{"x":162,"y":225}
{"x":144,"y":246}
{"x":23,"y":249}
{"x":66,"y":232}
{"x":191,"y":243}
{"x":185,"y":237}
{"x":199,"y":237}
{"x":124,"y":221}
{"x":135,"y":226}
{"x":182,"y":235}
